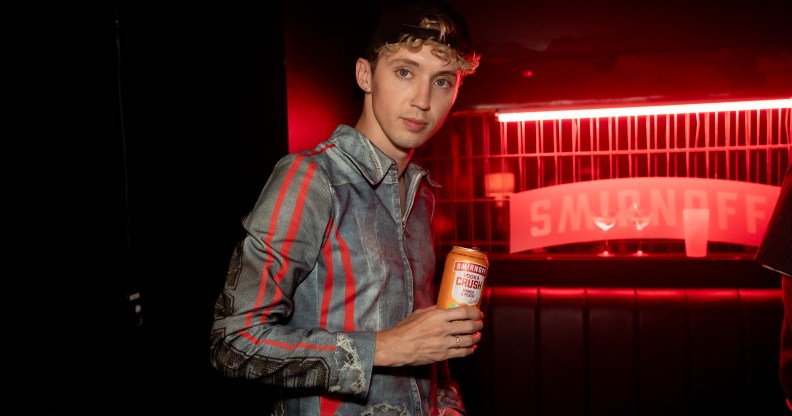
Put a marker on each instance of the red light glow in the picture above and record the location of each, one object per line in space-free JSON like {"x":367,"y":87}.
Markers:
{"x":645,"y":110}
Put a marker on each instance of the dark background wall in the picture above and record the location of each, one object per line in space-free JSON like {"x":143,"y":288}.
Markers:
{"x":151,"y":132}
{"x":583,"y":52}
{"x":203,"y":89}
{"x":146,"y":132}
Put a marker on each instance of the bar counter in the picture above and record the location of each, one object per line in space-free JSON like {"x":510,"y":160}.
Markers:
{"x":648,"y":271}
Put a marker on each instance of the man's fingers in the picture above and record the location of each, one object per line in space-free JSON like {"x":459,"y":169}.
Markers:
{"x":465,"y":312}
{"x":464,"y":341}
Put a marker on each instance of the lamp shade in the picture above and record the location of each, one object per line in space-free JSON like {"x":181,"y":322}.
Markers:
{"x":499,"y":185}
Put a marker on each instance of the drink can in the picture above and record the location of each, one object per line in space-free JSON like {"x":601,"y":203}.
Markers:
{"x":463,"y":278}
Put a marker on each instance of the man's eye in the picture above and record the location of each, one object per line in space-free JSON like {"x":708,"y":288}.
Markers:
{"x":403,"y":72}
{"x":441,"y":82}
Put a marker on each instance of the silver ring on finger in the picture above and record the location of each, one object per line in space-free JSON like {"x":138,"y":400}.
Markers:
{"x":457,"y":341}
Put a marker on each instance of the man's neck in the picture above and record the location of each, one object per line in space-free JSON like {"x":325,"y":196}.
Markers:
{"x":377,"y":137}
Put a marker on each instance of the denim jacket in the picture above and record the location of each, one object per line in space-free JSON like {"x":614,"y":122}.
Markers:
{"x":329,"y":259}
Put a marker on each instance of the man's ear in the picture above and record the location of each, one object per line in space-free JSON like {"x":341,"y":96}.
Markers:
{"x":363,"y":74}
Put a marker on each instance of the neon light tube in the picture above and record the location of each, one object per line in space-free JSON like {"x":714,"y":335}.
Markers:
{"x":645,"y":110}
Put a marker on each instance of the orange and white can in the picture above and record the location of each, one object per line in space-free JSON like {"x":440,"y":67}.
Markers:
{"x":463,"y":278}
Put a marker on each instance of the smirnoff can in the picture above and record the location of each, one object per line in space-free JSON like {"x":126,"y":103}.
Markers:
{"x":463,"y":278}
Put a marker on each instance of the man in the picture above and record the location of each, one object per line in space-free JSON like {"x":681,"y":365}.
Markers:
{"x":775,"y":253}
{"x":330,"y":296}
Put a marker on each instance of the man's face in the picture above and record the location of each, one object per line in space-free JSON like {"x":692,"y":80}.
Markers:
{"x":412,"y":94}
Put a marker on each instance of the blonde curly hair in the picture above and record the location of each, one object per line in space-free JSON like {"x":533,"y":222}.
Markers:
{"x":467,"y":61}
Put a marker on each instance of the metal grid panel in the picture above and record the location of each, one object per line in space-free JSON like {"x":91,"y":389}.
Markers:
{"x":750,"y":146}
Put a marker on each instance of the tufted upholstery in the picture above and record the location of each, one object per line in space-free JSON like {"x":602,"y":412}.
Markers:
{"x":626,"y":351}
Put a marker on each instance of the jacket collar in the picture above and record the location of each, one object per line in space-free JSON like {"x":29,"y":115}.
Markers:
{"x":370,"y":160}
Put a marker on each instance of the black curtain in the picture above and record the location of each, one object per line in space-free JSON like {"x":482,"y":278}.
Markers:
{"x":147,"y":133}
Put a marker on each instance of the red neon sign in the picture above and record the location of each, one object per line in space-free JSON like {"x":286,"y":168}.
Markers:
{"x":564,"y":214}
{"x":505,"y":117}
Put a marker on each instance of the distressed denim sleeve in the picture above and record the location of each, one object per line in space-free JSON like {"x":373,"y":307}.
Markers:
{"x":251,"y":335}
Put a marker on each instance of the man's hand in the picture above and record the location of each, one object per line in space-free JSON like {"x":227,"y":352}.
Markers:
{"x":429,"y":335}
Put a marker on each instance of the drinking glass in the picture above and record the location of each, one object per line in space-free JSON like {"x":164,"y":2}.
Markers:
{"x":640,"y":221}
{"x":605,"y":221}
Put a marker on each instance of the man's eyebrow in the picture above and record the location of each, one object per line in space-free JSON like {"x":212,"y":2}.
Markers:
{"x":448,"y":73}
{"x":410,"y":62}
{"x":406,"y":61}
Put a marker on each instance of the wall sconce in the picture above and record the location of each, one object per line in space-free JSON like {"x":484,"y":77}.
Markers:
{"x":499,"y":186}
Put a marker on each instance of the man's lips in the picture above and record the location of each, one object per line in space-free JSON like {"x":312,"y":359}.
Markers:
{"x":414,"y":124}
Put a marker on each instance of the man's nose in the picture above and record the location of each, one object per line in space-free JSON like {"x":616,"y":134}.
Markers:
{"x":422,"y":96}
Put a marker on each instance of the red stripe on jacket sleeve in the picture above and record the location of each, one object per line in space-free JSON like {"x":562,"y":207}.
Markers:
{"x":327,"y":293}
{"x":284,"y":189}
{"x":291,"y":236}
{"x":350,"y":287}
{"x":328,"y":406}
{"x":294,"y":226}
